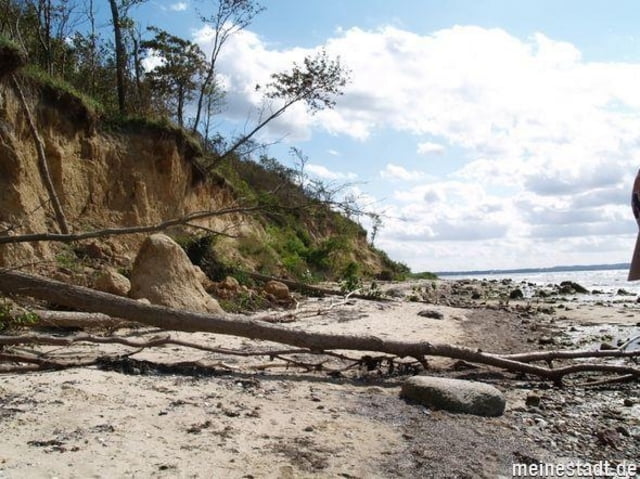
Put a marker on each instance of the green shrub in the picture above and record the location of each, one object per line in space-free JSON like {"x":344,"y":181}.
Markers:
{"x":202,"y":253}
{"x":385,"y":275}
{"x":9,"y":320}
{"x":262,"y":254}
{"x":196,"y":247}
{"x":11,"y":57}
{"x":350,"y":280}
{"x":423,"y":275}
{"x":67,"y":258}
{"x":326,"y":256}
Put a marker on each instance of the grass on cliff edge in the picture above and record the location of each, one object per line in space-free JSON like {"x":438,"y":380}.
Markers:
{"x":63,"y":91}
{"x":11,"y":57}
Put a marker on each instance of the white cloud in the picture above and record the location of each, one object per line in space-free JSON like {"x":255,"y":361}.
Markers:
{"x":427,"y":148}
{"x":480,"y":89}
{"x":152,"y":61}
{"x":327,"y":174}
{"x":398,"y":172}
{"x":448,"y":211}
{"x":179,"y":6}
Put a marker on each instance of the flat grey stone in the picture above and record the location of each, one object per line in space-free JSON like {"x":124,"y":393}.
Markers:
{"x":455,"y":395}
{"x":431,"y":313}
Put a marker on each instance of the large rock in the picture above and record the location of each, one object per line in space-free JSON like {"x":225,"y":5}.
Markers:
{"x":163,"y":274}
{"x":227,"y":289}
{"x":278,"y":290}
{"x":202,"y":278}
{"x":455,"y":395}
{"x":231,"y":284}
{"x":112,"y":282}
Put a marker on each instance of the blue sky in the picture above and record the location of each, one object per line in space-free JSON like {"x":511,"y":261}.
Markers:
{"x":489,"y":133}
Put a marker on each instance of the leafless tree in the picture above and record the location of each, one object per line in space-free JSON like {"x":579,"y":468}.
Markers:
{"x":230,"y":17}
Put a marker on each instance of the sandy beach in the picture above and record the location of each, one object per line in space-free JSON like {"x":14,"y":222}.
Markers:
{"x":245,"y":417}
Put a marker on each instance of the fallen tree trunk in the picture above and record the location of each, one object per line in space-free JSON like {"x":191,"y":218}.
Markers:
{"x":76,"y":319}
{"x":306,"y":288}
{"x":80,"y":319}
{"x":12,"y":282}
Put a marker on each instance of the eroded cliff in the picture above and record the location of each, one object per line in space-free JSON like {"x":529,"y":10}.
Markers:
{"x":133,"y":173}
{"x":104,"y":177}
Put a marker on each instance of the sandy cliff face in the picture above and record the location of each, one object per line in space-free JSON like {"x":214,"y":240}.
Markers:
{"x":103,"y":178}
{"x":117,"y":177}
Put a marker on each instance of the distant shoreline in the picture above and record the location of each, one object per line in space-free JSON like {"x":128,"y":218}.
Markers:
{"x":553,"y":269}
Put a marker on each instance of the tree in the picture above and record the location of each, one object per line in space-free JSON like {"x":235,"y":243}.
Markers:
{"x":42,"y":27}
{"x":86,"y":50}
{"x":316,"y":83}
{"x":9,"y":13}
{"x":17,"y":21}
{"x":121,"y":21}
{"x":176,"y":78}
{"x":214,"y":99}
{"x":121,"y":55}
{"x":231,"y":16}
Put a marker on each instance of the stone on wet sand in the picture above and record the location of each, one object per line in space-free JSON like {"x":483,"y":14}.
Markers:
{"x":516,"y":294}
{"x":571,"y":287}
{"x":455,"y":395}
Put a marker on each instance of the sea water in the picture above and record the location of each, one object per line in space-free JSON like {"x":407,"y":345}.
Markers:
{"x":609,"y":282}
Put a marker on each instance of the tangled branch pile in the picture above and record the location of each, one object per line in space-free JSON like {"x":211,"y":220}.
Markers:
{"x":407,"y":354}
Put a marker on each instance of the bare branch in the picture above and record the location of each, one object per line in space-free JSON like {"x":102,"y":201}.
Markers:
{"x":42,"y":161}
{"x":585,"y":353}
{"x":67,"y":238}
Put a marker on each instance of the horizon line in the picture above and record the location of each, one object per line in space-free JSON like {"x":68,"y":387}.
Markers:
{"x":550,"y":269}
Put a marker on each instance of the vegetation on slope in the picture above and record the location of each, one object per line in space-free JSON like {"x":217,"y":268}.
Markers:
{"x":11,"y":57}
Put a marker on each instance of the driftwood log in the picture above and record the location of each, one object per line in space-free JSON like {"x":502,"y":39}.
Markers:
{"x":84,"y":299}
{"x":306,"y":288}
{"x":76,"y":319}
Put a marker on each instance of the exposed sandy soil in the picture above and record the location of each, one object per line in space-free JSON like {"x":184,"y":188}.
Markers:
{"x":141,"y":421}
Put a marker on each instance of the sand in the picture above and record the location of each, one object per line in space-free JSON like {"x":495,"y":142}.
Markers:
{"x":243,"y":422}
